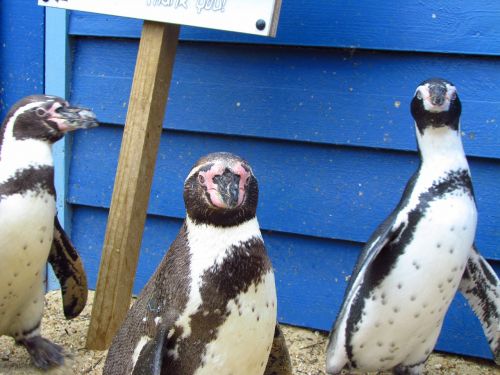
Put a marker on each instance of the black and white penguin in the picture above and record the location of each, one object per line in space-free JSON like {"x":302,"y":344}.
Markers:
{"x":30,"y":233}
{"x":210,"y":307}
{"x":412,"y":266}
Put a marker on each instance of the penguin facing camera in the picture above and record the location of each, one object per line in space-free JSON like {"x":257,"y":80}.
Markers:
{"x":413,"y":264}
{"x":210,"y":306}
{"x":30,"y":233}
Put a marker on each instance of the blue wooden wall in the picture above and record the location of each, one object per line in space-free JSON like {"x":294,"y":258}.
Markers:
{"x":321,"y":112}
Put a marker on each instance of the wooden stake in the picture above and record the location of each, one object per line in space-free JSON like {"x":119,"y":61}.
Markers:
{"x":127,"y":215}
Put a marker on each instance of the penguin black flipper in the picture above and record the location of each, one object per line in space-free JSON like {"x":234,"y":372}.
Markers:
{"x":378,"y":244}
{"x":150,"y":360}
{"x":384,"y":233}
{"x":279,"y":359}
{"x":481,"y":287}
{"x":68,"y":267}
{"x":383,"y":236}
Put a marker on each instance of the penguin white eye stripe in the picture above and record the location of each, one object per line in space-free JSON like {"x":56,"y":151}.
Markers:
{"x":27,"y":107}
{"x":451,"y":92}
{"x":422,"y":92}
{"x":194,"y":171}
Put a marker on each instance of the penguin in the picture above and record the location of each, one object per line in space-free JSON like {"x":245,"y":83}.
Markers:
{"x":413,"y":264}
{"x":210,"y":307}
{"x":30,"y":234}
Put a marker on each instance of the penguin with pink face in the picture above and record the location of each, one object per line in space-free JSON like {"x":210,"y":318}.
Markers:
{"x":210,"y":307}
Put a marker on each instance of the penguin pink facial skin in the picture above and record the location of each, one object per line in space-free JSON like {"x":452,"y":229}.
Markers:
{"x":225,"y":185}
{"x":222,"y":190}
{"x":66,"y":117}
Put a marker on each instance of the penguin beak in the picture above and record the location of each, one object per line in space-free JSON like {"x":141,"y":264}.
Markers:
{"x":71,"y":118}
{"x":228,"y":186}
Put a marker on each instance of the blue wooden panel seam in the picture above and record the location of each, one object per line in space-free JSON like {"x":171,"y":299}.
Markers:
{"x":318,"y":190}
{"x":313,"y":95}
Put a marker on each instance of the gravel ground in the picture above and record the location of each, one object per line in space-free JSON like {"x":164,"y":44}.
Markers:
{"x":306,"y":349}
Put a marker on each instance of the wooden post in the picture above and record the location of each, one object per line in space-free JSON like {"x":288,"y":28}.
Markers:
{"x":141,"y":138}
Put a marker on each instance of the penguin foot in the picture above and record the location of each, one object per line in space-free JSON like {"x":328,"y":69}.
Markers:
{"x":44,"y":353}
{"x":417,"y":369}
{"x":278,"y":362}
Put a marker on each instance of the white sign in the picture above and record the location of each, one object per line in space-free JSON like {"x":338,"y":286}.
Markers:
{"x":258,"y":17}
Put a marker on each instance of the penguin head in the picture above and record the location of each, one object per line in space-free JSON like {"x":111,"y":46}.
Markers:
{"x":221,"y":190}
{"x":47,"y":118}
{"x":436,"y":105}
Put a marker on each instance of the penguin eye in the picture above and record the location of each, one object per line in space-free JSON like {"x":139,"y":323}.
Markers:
{"x":201,"y":179}
{"x":419,"y":95}
{"x":41,"y":112}
{"x":453,"y":96}
{"x":247,"y":181}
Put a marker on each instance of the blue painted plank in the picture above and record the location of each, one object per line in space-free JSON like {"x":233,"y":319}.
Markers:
{"x":311,"y":275}
{"x":445,"y":26}
{"x":314,"y":95}
{"x":316,"y":190}
{"x":21,"y":52}
{"x":57,"y":83}
{"x":57,"y":71}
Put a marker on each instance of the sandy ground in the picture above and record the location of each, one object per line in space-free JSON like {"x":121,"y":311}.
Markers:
{"x":306,"y":349}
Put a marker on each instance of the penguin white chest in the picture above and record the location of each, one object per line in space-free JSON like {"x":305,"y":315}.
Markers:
{"x":243,"y":342}
{"x":26,"y":232}
{"x":404,"y":314}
